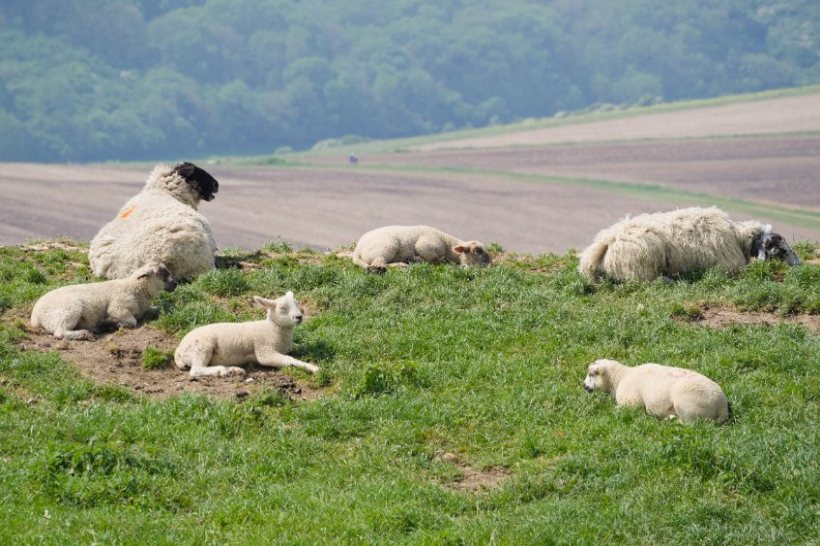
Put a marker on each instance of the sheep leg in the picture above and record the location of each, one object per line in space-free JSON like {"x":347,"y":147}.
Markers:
{"x":378,"y":265}
{"x":122,"y":317}
{"x":67,"y":319}
{"x":278,"y":360}
{"x":198,"y":358}
{"x":86,"y":335}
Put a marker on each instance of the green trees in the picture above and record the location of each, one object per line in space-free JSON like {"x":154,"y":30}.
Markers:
{"x":139,"y":79}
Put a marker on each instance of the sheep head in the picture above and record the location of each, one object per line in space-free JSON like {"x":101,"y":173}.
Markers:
{"x":283,"y":311}
{"x":203,"y":183}
{"x":598,"y":375}
{"x":472,"y":253}
{"x":157,"y":276}
{"x":768,"y":245}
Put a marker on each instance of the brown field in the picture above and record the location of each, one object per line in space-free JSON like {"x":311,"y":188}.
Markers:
{"x":800,"y":114}
{"x":331,"y":204}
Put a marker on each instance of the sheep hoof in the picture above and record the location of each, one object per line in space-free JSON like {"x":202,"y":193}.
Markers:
{"x":233,"y":370}
{"x":376,"y":269}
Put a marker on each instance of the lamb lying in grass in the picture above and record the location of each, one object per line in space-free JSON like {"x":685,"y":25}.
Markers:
{"x":217,"y":349}
{"x":663,"y":391}
{"x":668,"y":244}
{"x":397,"y":246}
{"x":77,"y":311}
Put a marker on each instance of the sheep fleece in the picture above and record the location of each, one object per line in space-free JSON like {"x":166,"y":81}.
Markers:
{"x":664,"y":391}
{"x":158,"y":224}
{"x":669,"y":243}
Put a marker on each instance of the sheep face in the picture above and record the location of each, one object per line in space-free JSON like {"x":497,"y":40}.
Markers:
{"x":282,"y":311}
{"x":768,"y":246}
{"x":472,"y":253}
{"x":157,"y":276}
{"x":204,"y":184}
{"x":597,"y":378}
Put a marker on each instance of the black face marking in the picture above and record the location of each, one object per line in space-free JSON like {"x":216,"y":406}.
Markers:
{"x":205,"y":184}
{"x":772,"y":245}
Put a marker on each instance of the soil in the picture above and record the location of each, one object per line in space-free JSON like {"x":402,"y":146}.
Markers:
{"x":116,"y":359}
{"x":799,"y":114}
{"x":471,"y":479}
{"x":332,"y":204}
{"x":721,"y":318}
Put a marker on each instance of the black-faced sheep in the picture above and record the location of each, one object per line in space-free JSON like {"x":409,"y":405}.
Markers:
{"x":160,"y":224}
{"x":668,"y":244}
{"x":217,"y":349}
{"x":77,"y":311}
{"x":397,"y":246}
{"x":663,"y":391}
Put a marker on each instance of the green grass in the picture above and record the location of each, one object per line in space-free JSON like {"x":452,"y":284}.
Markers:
{"x":486,"y":364}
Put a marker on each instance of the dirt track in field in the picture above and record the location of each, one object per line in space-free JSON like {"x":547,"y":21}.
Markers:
{"x":332,"y":204}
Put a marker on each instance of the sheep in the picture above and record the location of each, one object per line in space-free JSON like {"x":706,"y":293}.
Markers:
{"x":663,"y":391}
{"x":217,"y":349}
{"x":78,"y":311}
{"x":161,"y":224}
{"x":397,"y":246}
{"x":668,"y":244}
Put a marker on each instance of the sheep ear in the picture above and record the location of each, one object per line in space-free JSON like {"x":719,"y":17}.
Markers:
{"x":185,"y":170}
{"x":264,"y":302}
{"x":767,"y":229}
{"x":289,"y":294}
{"x":459,"y":249}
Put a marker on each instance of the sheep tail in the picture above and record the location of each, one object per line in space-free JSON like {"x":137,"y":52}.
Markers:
{"x":592,"y":259}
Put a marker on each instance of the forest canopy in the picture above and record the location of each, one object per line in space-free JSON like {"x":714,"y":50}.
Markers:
{"x":153,"y":79}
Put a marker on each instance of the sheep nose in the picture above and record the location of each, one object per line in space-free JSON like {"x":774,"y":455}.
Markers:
{"x":298,"y":318}
{"x":171,"y":286}
{"x":587,"y":388}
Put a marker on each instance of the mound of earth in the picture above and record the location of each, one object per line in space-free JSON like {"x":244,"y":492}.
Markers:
{"x":116,"y":359}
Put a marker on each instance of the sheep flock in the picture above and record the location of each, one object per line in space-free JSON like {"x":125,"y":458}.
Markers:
{"x":159,"y":237}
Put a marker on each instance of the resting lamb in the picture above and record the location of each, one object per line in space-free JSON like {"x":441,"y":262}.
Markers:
{"x":397,"y":246}
{"x":79,"y":310}
{"x":217,"y":349}
{"x":663,"y":391}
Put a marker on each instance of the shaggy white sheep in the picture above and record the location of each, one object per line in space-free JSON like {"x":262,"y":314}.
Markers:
{"x":668,"y":244}
{"x":663,"y":391}
{"x":160,"y":224}
{"x":397,"y":246}
{"x":77,"y":311}
{"x":217,"y":349}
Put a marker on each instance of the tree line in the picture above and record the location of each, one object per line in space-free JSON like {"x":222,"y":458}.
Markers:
{"x":148,"y":79}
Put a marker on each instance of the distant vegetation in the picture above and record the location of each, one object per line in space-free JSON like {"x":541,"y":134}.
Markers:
{"x":146,"y":79}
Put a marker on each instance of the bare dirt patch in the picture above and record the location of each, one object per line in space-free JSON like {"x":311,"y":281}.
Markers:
{"x":116,"y":359}
{"x":472,"y":480}
{"x":721,"y":318}
{"x":724,"y":317}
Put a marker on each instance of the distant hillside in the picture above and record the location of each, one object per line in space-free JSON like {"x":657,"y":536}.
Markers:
{"x":149,"y":79}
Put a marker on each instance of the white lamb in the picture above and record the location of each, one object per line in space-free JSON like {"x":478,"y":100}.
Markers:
{"x":160,"y":224}
{"x":397,"y":246}
{"x":77,"y":311}
{"x":217,"y":349}
{"x":663,"y":391}
{"x":668,"y":244}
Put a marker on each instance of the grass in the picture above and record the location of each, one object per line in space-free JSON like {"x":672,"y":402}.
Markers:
{"x":485,"y":364}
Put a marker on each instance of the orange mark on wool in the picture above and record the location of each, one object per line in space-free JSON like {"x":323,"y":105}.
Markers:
{"x":127,"y":212}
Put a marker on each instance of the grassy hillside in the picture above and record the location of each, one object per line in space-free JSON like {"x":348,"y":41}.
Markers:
{"x":435,"y":379}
